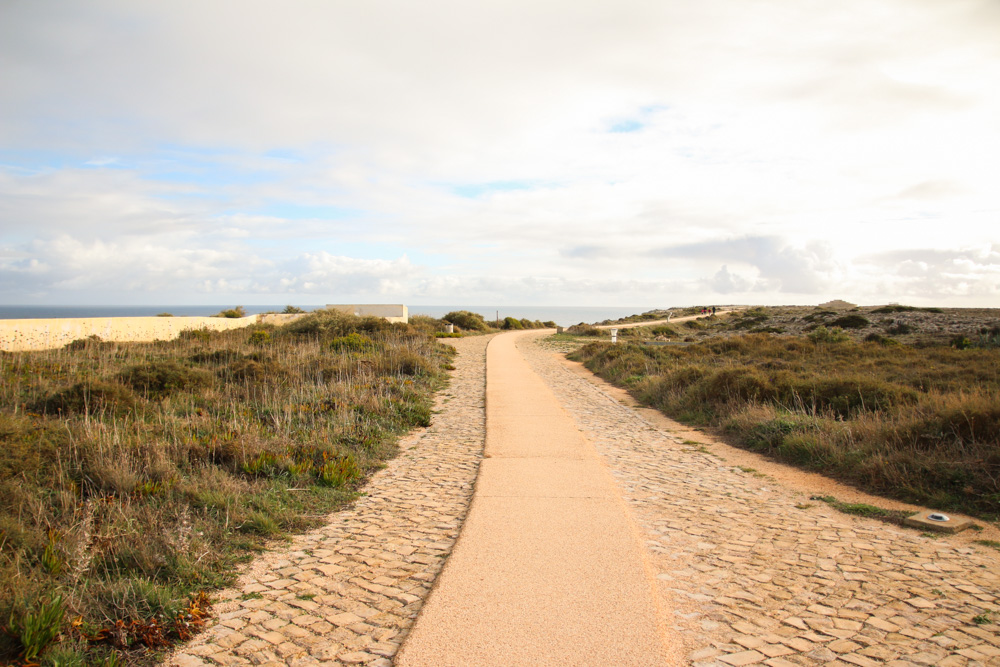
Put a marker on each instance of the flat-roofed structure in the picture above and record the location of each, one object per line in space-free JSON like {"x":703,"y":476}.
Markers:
{"x":393,"y":312}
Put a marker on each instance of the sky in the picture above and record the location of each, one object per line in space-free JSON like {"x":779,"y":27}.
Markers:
{"x":530,"y":152}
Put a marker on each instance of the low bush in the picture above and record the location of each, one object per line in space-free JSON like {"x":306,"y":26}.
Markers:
{"x":89,"y":397}
{"x":582,"y":329}
{"x":467,"y":320}
{"x":823,"y":335}
{"x":900,"y":329}
{"x":851,"y":322}
{"x":896,"y":308}
{"x":664,"y":330}
{"x":232,"y":313}
{"x":159,"y":378}
{"x":353,"y":342}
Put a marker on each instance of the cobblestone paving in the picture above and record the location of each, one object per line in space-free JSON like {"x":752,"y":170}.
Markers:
{"x":755,"y":574}
{"x":347,"y":593}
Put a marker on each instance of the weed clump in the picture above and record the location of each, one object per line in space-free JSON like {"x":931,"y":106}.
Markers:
{"x":353,"y":342}
{"x":232,"y":313}
{"x":582,"y":329}
{"x":823,"y":335}
{"x":160,"y":378}
{"x":90,"y":397}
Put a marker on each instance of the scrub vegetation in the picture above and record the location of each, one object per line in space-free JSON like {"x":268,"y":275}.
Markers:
{"x":134,"y":477}
{"x":917,"y":423}
{"x":465,"y":320}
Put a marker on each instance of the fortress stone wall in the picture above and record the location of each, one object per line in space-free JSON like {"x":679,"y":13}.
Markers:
{"x":47,"y":334}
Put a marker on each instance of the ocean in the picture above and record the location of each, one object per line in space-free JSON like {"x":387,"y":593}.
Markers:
{"x":561,"y":315}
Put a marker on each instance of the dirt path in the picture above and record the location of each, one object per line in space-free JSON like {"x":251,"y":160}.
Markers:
{"x":671,"y":320}
{"x":549,"y":569}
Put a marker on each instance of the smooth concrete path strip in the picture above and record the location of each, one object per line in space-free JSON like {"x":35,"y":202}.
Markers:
{"x":549,"y":569}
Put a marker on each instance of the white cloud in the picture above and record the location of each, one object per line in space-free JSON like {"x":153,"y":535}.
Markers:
{"x":147,"y":146}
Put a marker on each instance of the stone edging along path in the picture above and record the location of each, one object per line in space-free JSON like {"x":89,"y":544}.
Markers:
{"x":347,"y":593}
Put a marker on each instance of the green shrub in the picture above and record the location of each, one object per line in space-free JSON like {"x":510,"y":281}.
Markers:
{"x":823,"y":335}
{"x":900,"y":329}
{"x":663,"y":330}
{"x":846,"y":396}
{"x":961,"y":343}
{"x":259,"y":338}
{"x":353,"y":342}
{"x":511,"y":323}
{"x":89,"y":397}
{"x":232,"y":313}
{"x":895,"y":308}
{"x":851,"y":322}
{"x":89,"y":342}
{"x":339,"y":471}
{"x":160,"y":378}
{"x":202,"y":335}
{"x":292,"y":310}
{"x":426,"y":324}
{"x":582,"y":329}
{"x":327,"y":324}
{"x":248,"y":370}
{"x":466,"y":320}
{"x":36,"y":626}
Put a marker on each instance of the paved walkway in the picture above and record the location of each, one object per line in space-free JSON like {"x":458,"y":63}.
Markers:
{"x":549,"y":569}
{"x":746,"y":571}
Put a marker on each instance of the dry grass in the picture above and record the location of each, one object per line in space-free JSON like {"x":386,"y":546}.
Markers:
{"x":918,"y":424}
{"x":134,"y":476}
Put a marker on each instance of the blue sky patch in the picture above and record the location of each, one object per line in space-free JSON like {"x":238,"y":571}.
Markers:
{"x":476,"y":190}
{"x":629,"y":125}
